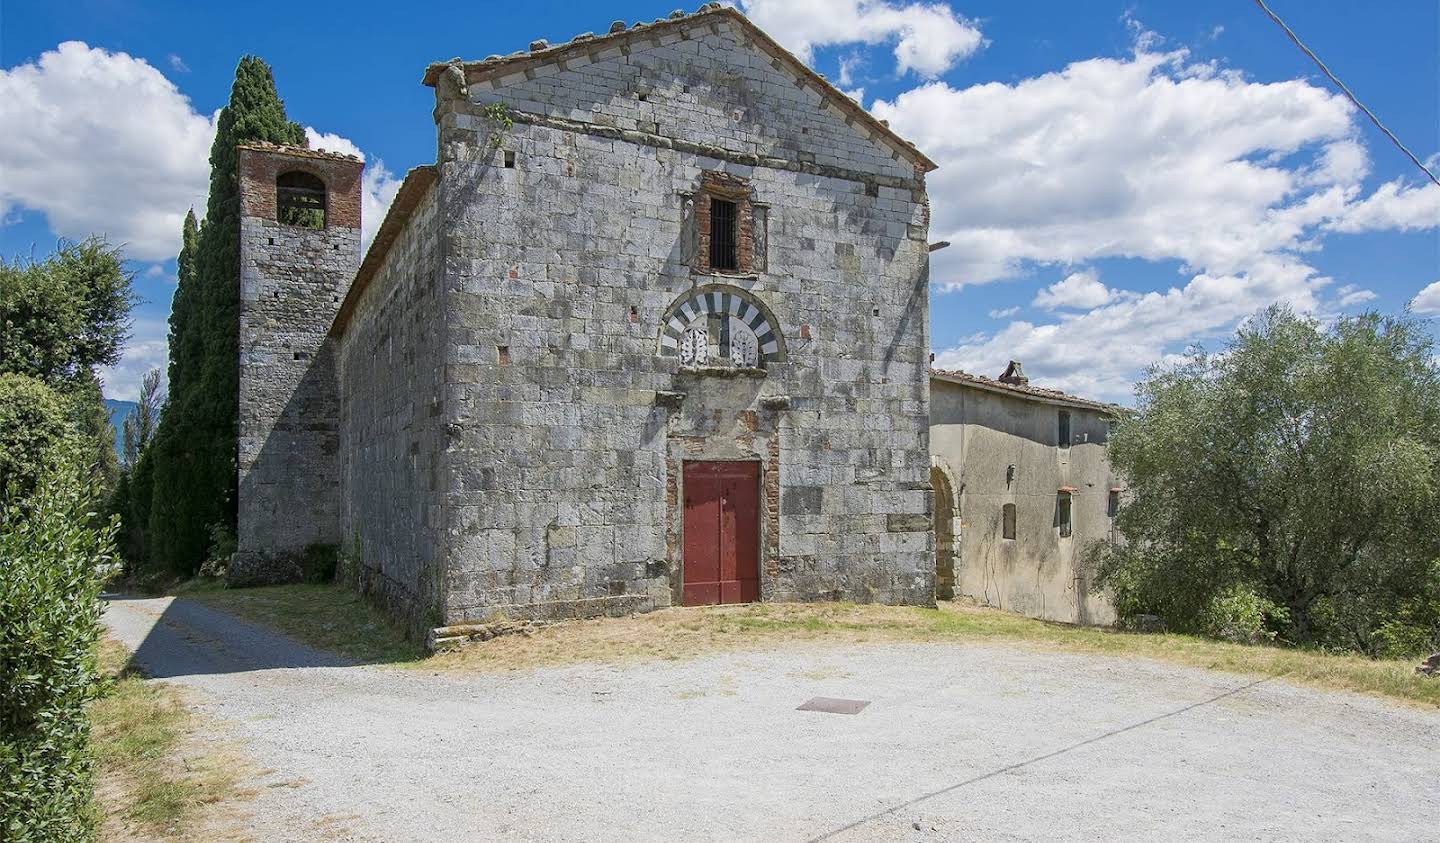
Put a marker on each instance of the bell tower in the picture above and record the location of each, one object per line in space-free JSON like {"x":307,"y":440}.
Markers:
{"x":299,"y":250}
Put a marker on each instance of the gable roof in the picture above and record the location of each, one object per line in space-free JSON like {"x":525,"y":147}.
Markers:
{"x":1034,"y":393}
{"x":541,"y":53}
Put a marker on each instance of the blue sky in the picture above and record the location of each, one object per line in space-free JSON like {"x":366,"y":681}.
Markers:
{"x":1120,"y":179}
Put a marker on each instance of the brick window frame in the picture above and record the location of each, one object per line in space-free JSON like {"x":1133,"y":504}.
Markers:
{"x":730,"y":188}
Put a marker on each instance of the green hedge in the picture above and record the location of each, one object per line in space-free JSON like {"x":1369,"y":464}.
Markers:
{"x":32,"y":424}
{"x":50,"y":548}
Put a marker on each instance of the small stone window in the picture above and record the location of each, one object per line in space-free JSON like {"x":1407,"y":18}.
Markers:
{"x":1063,"y":434}
{"x":300,"y":200}
{"x":1062,"y":514}
{"x":724,"y":230}
{"x":1007,"y":521}
{"x":1112,"y":504}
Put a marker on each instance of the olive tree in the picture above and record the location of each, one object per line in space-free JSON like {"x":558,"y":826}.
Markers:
{"x":1287,"y":486}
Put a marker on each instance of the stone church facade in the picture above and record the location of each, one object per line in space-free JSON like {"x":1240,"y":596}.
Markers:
{"x":652,"y":331}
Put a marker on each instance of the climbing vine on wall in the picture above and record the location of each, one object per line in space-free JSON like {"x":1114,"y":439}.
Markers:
{"x":499,"y":114}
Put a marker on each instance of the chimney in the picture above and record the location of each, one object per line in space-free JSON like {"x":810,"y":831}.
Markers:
{"x":1014,"y":374}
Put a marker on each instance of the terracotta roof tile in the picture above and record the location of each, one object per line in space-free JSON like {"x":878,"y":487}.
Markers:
{"x":1052,"y":395}
{"x":297,"y":151}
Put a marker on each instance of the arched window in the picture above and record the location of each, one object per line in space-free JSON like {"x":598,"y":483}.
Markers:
{"x":300,"y":199}
{"x":720,"y":325}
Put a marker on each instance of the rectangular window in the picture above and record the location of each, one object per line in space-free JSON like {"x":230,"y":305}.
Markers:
{"x":1062,"y":514}
{"x":1007,"y":519}
{"x":1064,"y":432}
{"x":724,"y":238}
{"x":1112,"y":506}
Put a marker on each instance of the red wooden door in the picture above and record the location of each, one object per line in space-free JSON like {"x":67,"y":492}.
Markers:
{"x":722,"y":533}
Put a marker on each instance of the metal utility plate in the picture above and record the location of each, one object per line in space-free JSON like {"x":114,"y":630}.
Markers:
{"x":832,"y":705}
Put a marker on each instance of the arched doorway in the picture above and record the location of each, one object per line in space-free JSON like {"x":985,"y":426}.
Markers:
{"x":944,"y":533}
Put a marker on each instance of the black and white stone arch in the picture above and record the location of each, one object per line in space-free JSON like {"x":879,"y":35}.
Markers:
{"x":720,"y":325}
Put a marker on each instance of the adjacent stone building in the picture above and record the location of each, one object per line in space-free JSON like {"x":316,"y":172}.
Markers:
{"x":653,"y":330}
{"x":1022,"y":486}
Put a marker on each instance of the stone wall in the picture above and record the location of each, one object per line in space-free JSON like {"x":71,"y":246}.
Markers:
{"x":977,"y":434}
{"x":392,"y":430}
{"x":291,"y":283}
{"x":567,"y":427}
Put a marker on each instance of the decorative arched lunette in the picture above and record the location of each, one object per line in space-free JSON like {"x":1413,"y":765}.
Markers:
{"x":738,"y":314}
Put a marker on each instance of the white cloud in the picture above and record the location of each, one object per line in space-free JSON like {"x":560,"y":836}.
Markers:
{"x":148,"y":349}
{"x":1393,"y":205}
{"x":1427,"y":301}
{"x":1097,"y":353}
{"x":929,"y":38}
{"x":102,"y":142}
{"x":1005,"y":312}
{"x":1352,"y":294}
{"x":380,"y":187}
{"x":1150,"y":156}
{"x":178,"y":64}
{"x":317,"y":139}
{"x":1077,"y":290}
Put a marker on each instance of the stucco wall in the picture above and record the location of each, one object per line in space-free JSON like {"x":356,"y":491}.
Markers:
{"x":392,"y":426}
{"x":561,"y":482}
{"x":979,"y":434}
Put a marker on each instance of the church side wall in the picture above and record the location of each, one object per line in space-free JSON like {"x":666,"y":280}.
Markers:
{"x":570,"y":429}
{"x":392,"y":428}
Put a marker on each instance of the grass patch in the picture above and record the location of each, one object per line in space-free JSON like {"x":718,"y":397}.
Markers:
{"x":686,"y":633}
{"x":156,"y":775}
{"x":329,"y":617}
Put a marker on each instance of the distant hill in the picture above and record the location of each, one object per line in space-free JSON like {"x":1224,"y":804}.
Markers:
{"x":118,"y":411}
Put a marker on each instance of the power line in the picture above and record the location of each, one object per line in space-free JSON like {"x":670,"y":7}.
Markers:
{"x":1346,"y":91}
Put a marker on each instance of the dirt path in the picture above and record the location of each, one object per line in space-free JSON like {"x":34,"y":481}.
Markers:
{"x":958,"y":742}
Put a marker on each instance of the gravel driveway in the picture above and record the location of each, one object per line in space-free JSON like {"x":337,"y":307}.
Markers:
{"x":958,"y":742}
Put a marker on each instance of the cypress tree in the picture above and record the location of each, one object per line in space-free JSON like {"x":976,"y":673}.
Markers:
{"x":163,"y":478}
{"x":194,"y":472}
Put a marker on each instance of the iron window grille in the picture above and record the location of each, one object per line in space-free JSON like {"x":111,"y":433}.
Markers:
{"x":724,"y":242}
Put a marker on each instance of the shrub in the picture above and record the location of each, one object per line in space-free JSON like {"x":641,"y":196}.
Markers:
{"x":222,"y":550}
{"x":319,"y":563}
{"x":49,"y":622}
{"x":1239,"y":614}
{"x":33,"y":422}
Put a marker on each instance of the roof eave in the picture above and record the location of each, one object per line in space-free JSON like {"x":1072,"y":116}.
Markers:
{"x":416,"y":184}
{"x":1028,"y":395}
{"x":555,"y":53}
